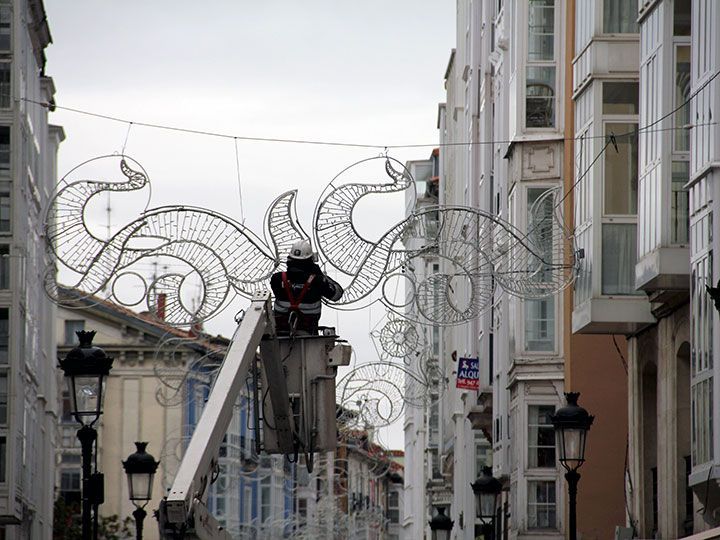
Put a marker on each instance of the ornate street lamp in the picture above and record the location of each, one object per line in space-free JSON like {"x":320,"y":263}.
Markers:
{"x":572,"y":424}
{"x":486,"y":489}
{"x":140,"y":469}
{"x":85,"y":368}
{"x":441,"y":525}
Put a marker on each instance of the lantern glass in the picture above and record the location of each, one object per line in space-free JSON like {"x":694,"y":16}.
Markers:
{"x":441,"y":535}
{"x":87,"y":393}
{"x":485,"y":505}
{"x":572,"y":447}
{"x":140,"y":486}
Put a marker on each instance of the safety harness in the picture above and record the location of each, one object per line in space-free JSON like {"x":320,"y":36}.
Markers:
{"x":296,"y":301}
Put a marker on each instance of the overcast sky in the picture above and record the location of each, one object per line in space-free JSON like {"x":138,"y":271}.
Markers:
{"x":367,"y":71}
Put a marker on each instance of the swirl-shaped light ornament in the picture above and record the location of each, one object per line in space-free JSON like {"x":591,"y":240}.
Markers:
{"x":477,"y":250}
{"x":222,"y":253}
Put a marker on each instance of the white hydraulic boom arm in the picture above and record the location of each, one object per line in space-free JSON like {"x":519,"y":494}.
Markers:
{"x":184,"y":510}
{"x":297,"y":372}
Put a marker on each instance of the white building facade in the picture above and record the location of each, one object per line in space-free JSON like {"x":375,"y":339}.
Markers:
{"x":508,"y":83}
{"x":423,"y":477}
{"x":505,"y":86}
{"x":28,"y":385}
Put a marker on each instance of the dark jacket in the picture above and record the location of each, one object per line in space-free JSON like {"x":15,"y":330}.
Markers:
{"x":307,"y":306}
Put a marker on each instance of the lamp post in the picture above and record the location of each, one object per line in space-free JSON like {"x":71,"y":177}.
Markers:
{"x":572,"y":424}
{"x":441,"y":525}
{"x":140,"y":469}
{"x":486,"y":489}
{"x":85,"y":368}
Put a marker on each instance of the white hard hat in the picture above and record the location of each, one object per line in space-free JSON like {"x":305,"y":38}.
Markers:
{"x":301,"y":250}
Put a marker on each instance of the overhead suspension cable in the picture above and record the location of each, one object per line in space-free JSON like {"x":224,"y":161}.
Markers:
{"x":385,"y":147}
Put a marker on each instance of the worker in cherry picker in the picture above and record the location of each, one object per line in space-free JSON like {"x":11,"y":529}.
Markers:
{"x":299,"y":291}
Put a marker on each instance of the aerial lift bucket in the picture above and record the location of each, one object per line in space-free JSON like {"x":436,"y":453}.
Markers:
{"x":297,"y":381}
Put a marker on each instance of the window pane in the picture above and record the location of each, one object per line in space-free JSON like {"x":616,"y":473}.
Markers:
{"x":3,"y":457}
{"x":540,"y":314}
{"x":66,"y":413}
{"x":620,"y":98}
{"x":620,"y":16}
{"x":681,"y":18}
{"x":621,"y":169}
{"x":619,"y":254}
{"x":540,"y":324}
{"x":4,"y":212}
{"x":483,"y":456}
{"x":541,"y":30}
{"x":4,"y":149}
{"x":5,"y":21}
{"x":5,"y":87}
{"x":540,"y":224}
{"x":3,"y":399}
{"x":541,"y":437}
{"x":540,"y":100}
{"x":4,"y":335}
{"x":4,"y":267}
{"x":679,"y":202}
{"x":682,"y":94}
{"x":542,"y":512}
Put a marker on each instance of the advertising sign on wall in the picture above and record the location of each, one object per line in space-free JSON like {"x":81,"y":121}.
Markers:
{"x":468,"y":375}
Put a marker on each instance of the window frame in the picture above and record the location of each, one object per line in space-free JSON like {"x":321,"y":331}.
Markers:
{"x":8,"y":348}
{"x":678,"y":156}
{"x":6,"y":171}
{"x":6,"y":189}
{"x":8,"y":64}
{"x":519,"y":195}
{"x":530,"y":446}
{"x":553,"y":63}
{"x":702,"y":321}
{"x":601,"y":21}
{"x":537,"y":474}
{"x":556,"y":503}
{"x":607,"y":218}
{"x":74,"y":474}
{"x":9,"y":7}
{"x":5,"y":267}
